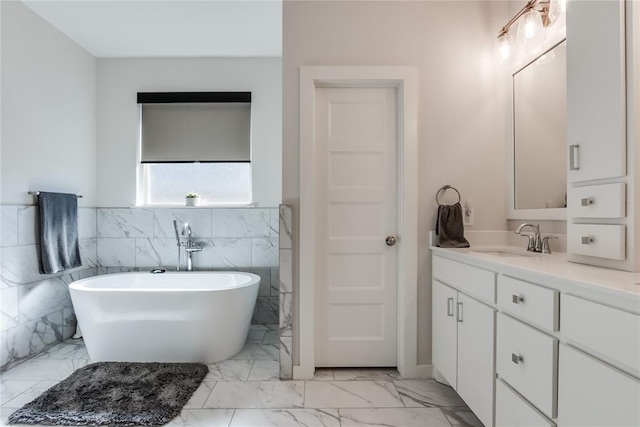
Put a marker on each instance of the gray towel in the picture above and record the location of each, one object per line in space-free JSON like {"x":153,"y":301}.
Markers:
{"x":59,"y":249}
{"x":449,"y":227}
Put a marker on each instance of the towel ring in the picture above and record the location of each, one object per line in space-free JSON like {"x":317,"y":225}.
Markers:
{"x":445,"y":188}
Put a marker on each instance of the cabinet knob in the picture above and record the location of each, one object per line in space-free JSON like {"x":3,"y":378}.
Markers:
{"x":450,"y":307}
{"x":459,"y":319}
{"x":516,"y":358}
{"x":517,"y":299}
{"x":587,"y":201}
{"x":586,"y":240}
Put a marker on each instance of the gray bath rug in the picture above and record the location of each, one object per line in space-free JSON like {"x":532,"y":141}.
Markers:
{"x":115,"y":394}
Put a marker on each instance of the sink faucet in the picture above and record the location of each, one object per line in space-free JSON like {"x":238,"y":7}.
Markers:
{"x":190,"y":246}
{"x":535,"y":244}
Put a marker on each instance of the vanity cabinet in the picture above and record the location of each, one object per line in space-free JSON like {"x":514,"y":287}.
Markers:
{"x":567,"y":352}
{"x":463,"y":335}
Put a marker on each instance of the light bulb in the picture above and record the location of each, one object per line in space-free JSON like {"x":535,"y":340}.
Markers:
{"x":504,"y":47}
{"x":557,"y":8}
{"x":530,"y":31}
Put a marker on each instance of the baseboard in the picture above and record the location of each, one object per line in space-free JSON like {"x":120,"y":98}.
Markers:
{"x":424,"y":372}
{"x":300,"y":373}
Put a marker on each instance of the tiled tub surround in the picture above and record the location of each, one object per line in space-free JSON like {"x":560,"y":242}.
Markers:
{"x":286,"y":293}
{"x":36,"y":308}
{"x":232,"y":239}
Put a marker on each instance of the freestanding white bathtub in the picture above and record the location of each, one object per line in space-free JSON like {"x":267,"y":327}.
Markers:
{"x":168,"y":317}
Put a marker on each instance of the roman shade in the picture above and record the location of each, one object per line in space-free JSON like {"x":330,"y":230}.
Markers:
{"x":196,"y":127}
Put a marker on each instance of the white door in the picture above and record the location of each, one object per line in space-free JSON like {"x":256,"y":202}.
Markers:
{"x":356,"y":199}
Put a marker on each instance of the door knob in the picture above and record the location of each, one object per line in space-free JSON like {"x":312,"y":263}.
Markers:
{"x":390,"y":240}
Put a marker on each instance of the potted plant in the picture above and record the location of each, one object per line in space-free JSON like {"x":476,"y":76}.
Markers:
{"x":192,"y":198}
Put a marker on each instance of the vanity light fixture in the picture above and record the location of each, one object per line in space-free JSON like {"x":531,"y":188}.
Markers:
{"x":532,"y":18}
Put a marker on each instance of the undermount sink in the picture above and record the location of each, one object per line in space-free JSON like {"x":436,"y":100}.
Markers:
{"x":508,"y":253}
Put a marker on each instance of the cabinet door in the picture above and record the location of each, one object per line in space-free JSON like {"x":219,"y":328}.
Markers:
{"x":476,"y":373}
{"x":594,"y":394}
{"x":444,"y":331}
{"x":596,"y":89}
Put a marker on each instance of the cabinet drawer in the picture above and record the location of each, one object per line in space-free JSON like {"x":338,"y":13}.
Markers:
{"x":597,"y":201}
{"x":513,"y":411}
{"x":471,"y":280}
{"x":530,"y":302}
{"x":606,"y":332}
{"x":594,"y":394}
{"x":603,"y":241}
{"x":527,"y":360}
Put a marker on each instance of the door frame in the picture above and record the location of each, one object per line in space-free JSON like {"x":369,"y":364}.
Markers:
{"x":405,"y":80}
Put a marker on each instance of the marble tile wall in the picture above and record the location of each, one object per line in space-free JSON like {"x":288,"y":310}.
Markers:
{"x":286,"y":292}
{"x":35,"y":309}
{"x":232,"y":239}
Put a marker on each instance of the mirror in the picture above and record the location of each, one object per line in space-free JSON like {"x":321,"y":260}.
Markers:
{"x":540,"y":131}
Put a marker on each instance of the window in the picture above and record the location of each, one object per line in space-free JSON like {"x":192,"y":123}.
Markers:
{"x":195,"y":141}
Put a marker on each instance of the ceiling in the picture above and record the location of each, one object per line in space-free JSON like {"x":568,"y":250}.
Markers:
{"x":171,"y":28}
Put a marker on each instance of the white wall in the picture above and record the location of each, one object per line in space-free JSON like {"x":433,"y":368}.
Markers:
{"x":48,"y":110}
{"x":119,"y":81}
{"x":462,"y":128}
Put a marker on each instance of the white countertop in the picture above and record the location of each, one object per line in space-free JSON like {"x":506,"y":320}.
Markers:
{"x":621,"y":288}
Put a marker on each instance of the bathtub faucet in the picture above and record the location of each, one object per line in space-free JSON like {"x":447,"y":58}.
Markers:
{"x":190,"y":246}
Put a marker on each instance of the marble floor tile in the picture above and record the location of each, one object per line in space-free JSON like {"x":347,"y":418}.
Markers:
{"x":429,"y":393}
{"x":253,"y":351}
{"x":271,"y":337}
{"x":44,"y":369}
{"x":4,"y":414}
{"x":200,"y":395}
{"x":405,"y":417}
{"x":351,"y":394}
{"x":265,"y":370}
{"x":366,"y":374}
{"x":273,"y":327}
{"x":229,"y":370}
{"x":286,"y":418}
{"x":202,"y":418}
{"x":70,"y":349}
{"x":461,"y":417}
{"x":257,"y":395}
{"x":11,"y":389}
{"x":323,"y":374}
{"x":30,"y":394}
{"x":258,"y":328}
{"x":255,"y":336}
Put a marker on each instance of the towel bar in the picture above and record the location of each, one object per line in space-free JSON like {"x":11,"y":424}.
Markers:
{"x":37,"y":193}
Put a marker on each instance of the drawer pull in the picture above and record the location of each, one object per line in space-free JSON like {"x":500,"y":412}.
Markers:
{"x":449,"y":307}
{"x":459,"y":312}
{"x":517,"y":299}
{"x":516,"y":358}
{"x":587,"y":240}
{"x":587,"y":201}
